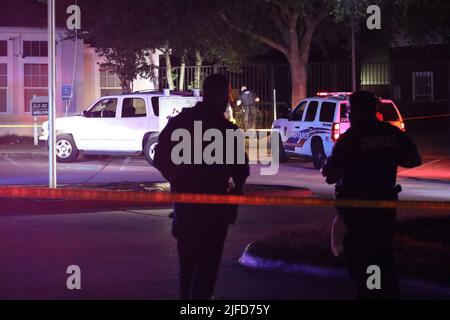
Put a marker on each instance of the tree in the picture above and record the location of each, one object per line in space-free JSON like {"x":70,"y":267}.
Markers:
{"x":284,"y":25}
{"x":121,"y":45}
{"x":127,"y":63}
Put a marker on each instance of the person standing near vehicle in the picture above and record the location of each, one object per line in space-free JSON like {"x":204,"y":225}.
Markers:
{"x":248,"y":99}
{"x":363,"y":165}
{"x":201,"y":229}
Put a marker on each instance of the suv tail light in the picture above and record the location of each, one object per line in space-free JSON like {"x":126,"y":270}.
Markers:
{"x":335,"y":131}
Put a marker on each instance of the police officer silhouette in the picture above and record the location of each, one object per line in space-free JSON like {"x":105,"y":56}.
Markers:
{"x":201,"y":229}
{"x":363,"y":165}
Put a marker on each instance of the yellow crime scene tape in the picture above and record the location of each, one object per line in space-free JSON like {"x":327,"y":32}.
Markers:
{"x":19,"y":125}
{"x":428,"y":117}
{"x":141,"y":197}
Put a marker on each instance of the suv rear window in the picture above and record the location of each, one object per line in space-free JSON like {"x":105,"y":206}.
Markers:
{"x":327,"y":111}
{"x":388,"y":112}
{"x":344,"y":113}
{"x":155,"y":105}
{"x":312,"y":110}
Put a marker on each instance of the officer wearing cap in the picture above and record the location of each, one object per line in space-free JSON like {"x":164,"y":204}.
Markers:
{"x":363,"y":165}
{"x":248,"y":99}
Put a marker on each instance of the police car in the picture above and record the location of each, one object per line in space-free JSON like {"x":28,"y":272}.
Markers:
{"x":312,"y":127}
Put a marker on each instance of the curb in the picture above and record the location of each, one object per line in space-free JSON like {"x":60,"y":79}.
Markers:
{"x":252,"y":261}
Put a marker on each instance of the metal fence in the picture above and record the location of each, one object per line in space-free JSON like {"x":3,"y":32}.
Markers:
{"x":420,"y":88}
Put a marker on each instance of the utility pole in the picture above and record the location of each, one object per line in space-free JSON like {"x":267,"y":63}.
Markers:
{"x":51,"y":94}
{"x":353,"y":22}
{"x":353,"y":57}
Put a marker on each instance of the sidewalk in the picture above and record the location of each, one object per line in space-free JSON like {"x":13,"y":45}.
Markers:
{"x":437,"y":169}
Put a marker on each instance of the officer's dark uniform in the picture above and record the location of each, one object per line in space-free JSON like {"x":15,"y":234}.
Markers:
{"x":200,"y":229}
{"x":364,"y":164}
{"x":250,"y":112}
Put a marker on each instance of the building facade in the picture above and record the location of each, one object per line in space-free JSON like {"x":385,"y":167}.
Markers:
{"x":24,"y":74}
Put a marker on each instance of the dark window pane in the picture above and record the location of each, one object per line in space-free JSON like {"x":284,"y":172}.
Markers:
{"x":155,"y":105}
{"x":43,"y":70}
{"x":26,"y":48}
{"x":344,"y":113}
{"x":3,"y":81}
{"x":43,"y":81}
{"x":297,"y":115}
{"x":311,"y":112}
{"x":43,"y":52}
{"x":35,"y":49}
{"x":3,"y":48}
{"x":3,"y":99}
{"x":327,"y":112}
{"x":3,"y":69}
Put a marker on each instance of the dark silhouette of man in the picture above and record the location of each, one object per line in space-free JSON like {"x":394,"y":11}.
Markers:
{"x":201,"y":229}
{"x":248,"y":100}
{"x":363,"y":165}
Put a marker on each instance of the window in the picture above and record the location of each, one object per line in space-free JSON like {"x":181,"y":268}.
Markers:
{"x":155,"y":105}
{"x":327,"y":111}
{"x":133,"y":108}
{"x":312,"y":110}
{"x":345,"y":111}
{"x":297,"y":115}
{"x":387,"y":112}
{"x":109,"y":83}
{"x":35,"y":82}
{"x":3,"y":87}
{"x":35,"y":49}
{"x":105,"y":108}
{"x":423,"y":85}
{"x":3,"y":48}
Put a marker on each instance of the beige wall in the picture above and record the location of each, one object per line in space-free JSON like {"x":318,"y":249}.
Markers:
{"x":77,"y":64}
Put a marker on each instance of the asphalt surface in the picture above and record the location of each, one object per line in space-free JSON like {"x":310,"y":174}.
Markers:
{"x":127,"y":253}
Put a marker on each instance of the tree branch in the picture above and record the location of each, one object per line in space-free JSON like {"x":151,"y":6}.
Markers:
{"x":270,"y":42}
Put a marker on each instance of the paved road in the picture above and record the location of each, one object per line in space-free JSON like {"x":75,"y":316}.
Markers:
{"x":21,"y":168}
{"x":127,"y":253}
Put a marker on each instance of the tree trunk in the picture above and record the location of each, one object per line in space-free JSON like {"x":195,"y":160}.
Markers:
{"x":198,"y":70}
{"x":126,"y":86}
{"x":169,"y":70}
{"x":298,"y":78}
{"x":182,"y":73}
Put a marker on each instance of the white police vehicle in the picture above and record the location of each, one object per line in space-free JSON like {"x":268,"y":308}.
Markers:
{"x":313,"y":126}
{"x":127,"y":124}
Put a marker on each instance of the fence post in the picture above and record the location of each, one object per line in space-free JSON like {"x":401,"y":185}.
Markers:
{"x":274,"y":104}
{"x":448,"y":98}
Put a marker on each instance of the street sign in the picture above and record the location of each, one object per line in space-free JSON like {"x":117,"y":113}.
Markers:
{"x":39,"y":106}
{"x":66,"y":92}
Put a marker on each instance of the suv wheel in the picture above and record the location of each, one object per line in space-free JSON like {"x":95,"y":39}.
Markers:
{"x":65,"y":148}
{"x":149,"y":149}
{"x":318,"y":154}
{"x":283,"y":157}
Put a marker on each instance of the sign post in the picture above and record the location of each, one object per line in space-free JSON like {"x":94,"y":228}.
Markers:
{"x":38,"y":107}
{"x":51,"y":94}
{"x":66,"y":93}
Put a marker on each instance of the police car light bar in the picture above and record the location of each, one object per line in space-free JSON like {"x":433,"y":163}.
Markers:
{"x":333,"y":94}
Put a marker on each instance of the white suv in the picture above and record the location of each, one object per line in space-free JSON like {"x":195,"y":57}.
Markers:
{"x":316,"y":123}
{"x":119,"y":124}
